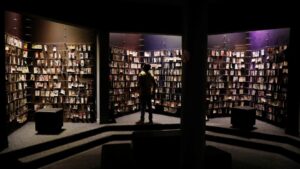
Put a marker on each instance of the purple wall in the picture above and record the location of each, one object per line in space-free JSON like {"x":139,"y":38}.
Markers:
{"x":145,"y":41}
{"x":272,"y":37}
{"x":258,"y":39}
{"x":228,"y":40}
{"x":158,"y":42}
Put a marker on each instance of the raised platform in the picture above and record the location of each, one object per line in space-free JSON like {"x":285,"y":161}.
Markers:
{"x":50,"y":148}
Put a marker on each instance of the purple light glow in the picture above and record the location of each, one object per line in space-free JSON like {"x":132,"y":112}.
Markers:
{"x":263,"y":38}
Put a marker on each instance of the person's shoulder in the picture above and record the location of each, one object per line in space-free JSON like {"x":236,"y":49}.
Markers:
{"x":142,"y":73}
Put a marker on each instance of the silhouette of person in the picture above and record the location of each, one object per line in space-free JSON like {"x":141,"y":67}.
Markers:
{"x":147,"y":86}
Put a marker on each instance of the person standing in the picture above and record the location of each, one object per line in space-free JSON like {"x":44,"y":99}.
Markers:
{"x":147,"y":86}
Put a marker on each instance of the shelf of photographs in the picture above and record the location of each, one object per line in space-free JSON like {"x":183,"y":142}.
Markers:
{"x":63,"y":77}
{"x":251,"y":78}
{"x":167,"y":70}
{"x":124,"y":69}
{"x":269,"y":77}
{"x":16,"y":76}
{"x":228,"y":81}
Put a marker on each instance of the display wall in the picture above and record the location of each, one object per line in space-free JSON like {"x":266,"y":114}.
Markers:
{"x":163,"y":52}
{"x":249,"y":69}
{"x":48,"y":64}
{"x":16,"y":72}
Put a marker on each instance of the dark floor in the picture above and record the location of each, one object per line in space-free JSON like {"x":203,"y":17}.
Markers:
{"x":27,"y":136}
{"x":242,"y":157}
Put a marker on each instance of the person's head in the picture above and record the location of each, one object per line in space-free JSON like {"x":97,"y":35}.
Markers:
{"x":146,"y":67}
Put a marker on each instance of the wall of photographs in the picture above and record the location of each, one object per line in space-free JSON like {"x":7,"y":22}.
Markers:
{"x":63,"y":76}
{"x":125,"y":66}
{"x":17,"y":76}
{"x":49,"y":75}
{"x":256,"y":78}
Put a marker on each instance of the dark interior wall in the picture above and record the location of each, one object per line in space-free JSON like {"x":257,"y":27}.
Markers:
{"x":112,"y":15}
{"x":40,"y":30}
{"x":125,"y":40}
{"x":292,"y":124}
{"x":3,"y":117}
{"x":141,"y":41}
{"x":234,"y":16}
{"x":45,"y":31}
{"x":163,"y":16}
{"x":194,"y":84}
{"x":105,"y":115}
{"x":13,"y":24}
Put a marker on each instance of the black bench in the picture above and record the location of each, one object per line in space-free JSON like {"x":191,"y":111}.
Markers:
{"x":49,"y":120}
{"x":243,"y":117}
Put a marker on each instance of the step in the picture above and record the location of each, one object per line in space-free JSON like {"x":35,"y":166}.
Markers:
{"x":59,"y":152}
{"x":90,"y":139}
{"x":81,"y":135}
{"x":288,"y":150}
{"x":105,"y":134}
{"x":286,"y":139}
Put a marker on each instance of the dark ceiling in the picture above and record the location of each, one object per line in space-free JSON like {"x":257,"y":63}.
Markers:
{"x":160,"y":16}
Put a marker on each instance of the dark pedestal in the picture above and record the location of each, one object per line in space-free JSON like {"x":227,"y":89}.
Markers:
{"x":117,"y":156}
{"x":49,"y":120}
{"x":243,"y":117}
{"x":156,"y":149}
{"x":162,"y":149}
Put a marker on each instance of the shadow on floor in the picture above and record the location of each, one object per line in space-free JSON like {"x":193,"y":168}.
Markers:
{"x":50,"y":132}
